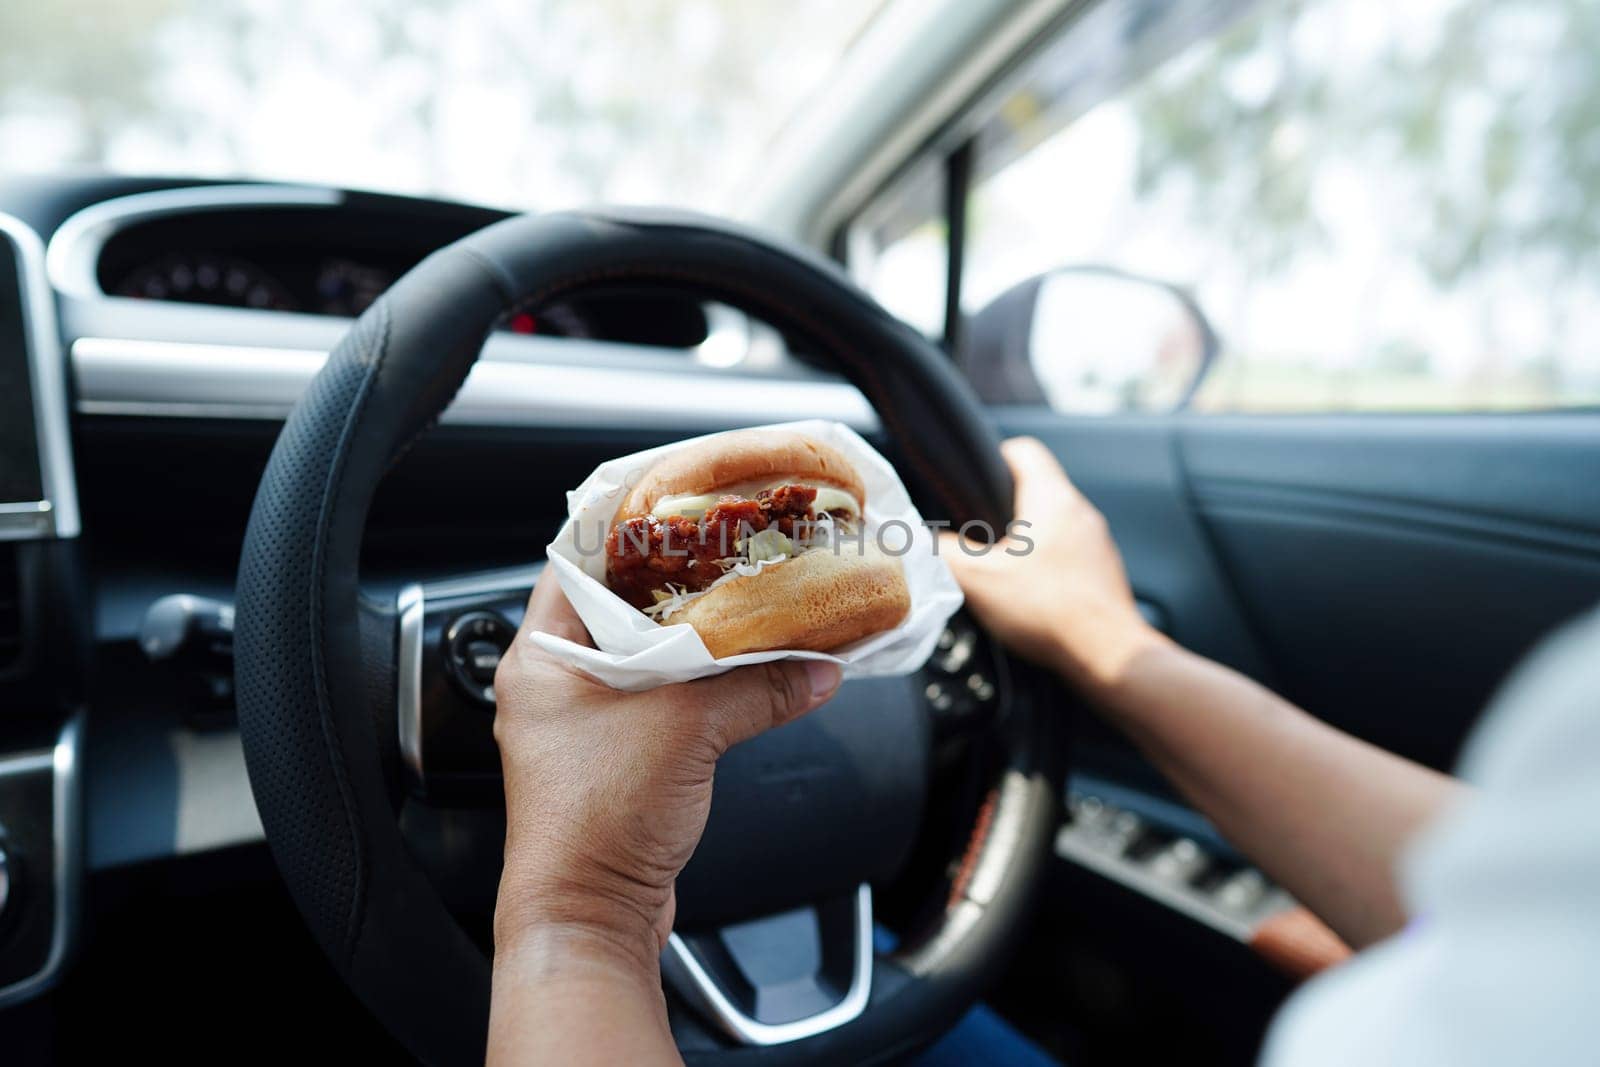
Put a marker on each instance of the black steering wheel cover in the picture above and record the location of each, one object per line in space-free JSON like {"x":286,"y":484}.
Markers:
{"x":308,"y":704}
{"x":923,"y":402}
{"x":310,"y":741}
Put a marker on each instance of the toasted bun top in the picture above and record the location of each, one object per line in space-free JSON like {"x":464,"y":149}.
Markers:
{"x":741,"y":457}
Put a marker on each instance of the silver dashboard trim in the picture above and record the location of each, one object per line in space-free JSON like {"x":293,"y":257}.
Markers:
{"x":67,"y":868}
{"x":1005,"y":840}
{"x":1070,"y":848}
{"x":27,"y":763}
{"x":185,"y":380}
{"x":73,"y":257}
{"x":955,"y":930}
{"x":696,"y":983}
{"x":1095,"y":840}
{"x":504,"y":580}
{"x":408,"y":675}
{"x":42,"y":334}
{"x":411,"y":610}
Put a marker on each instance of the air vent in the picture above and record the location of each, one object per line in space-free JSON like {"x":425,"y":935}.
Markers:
{"x":10,"y":608}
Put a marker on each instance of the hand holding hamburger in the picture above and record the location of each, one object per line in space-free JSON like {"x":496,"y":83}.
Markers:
{"x":755,"y":540}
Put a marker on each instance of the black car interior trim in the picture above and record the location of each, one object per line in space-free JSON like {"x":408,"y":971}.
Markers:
{"x":1239,"y":497}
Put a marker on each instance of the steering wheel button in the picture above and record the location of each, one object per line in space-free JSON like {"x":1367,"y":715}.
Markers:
{"x":957,"y":655}
{"x":482,"y":659}
{"x":473,"y":645}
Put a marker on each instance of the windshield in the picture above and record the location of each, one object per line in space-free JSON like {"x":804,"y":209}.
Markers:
{"x":522,"y":103}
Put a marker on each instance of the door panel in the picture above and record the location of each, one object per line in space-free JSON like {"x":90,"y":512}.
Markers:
{"x":1395,"y":569}
{"x":1497,"y":473}
{"x":1384,"y":572}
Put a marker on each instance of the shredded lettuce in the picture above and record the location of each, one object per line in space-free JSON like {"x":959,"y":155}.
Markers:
{"x":764,"y":549}
{"x":768,"y":545}
{"x":676,"y":598}
{"x":827,"y":530}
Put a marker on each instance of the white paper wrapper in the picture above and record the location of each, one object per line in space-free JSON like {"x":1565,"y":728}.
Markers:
{"x":634,"y":652}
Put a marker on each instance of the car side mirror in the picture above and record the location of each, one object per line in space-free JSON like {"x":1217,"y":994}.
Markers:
{"x":1092,"y":340}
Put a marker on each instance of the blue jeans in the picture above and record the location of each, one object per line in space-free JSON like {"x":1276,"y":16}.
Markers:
{"x":983,"y":1037}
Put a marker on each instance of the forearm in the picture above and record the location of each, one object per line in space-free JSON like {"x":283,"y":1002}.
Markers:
{"x":1323,"y":813}
{"x":565,"y":995}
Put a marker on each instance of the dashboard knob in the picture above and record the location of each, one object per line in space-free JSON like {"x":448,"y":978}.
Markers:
{"x":184,"y":625}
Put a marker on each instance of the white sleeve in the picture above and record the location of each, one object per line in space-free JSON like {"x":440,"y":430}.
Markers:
{"x":1501,"y":964}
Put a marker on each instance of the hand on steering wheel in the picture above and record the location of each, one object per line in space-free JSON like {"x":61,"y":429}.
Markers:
{"x":1055,"y":591}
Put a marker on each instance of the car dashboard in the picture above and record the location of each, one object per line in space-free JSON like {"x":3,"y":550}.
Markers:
{"x":190,"y":318}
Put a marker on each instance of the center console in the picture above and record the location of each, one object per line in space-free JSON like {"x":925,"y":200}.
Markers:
{"x":43,"y":635}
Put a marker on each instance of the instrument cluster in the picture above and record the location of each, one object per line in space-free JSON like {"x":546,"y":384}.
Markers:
{"x":336,"y":260}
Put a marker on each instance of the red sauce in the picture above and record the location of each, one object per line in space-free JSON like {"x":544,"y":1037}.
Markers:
{"x":647,"y":553}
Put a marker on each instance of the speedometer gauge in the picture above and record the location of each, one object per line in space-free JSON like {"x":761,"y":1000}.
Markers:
{"x":348,"y":288}
{"x":205,"y":278}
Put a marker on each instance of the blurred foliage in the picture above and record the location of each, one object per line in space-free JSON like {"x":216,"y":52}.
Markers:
{"x":656,"y":95}
{"x":1492,"y":122}
{"x":97,"y":54}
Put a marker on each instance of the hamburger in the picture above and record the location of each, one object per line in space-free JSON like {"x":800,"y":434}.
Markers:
{"x":757,"y":540}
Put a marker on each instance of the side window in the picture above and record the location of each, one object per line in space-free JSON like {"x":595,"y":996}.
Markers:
{"x":1311,"y":205}
{"x":898,"y":248}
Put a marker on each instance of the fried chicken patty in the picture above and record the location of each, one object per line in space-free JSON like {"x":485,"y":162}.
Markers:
{"x":645,"y":554}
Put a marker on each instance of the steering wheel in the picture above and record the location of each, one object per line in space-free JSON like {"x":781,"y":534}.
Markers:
{"x":320,"y":670}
